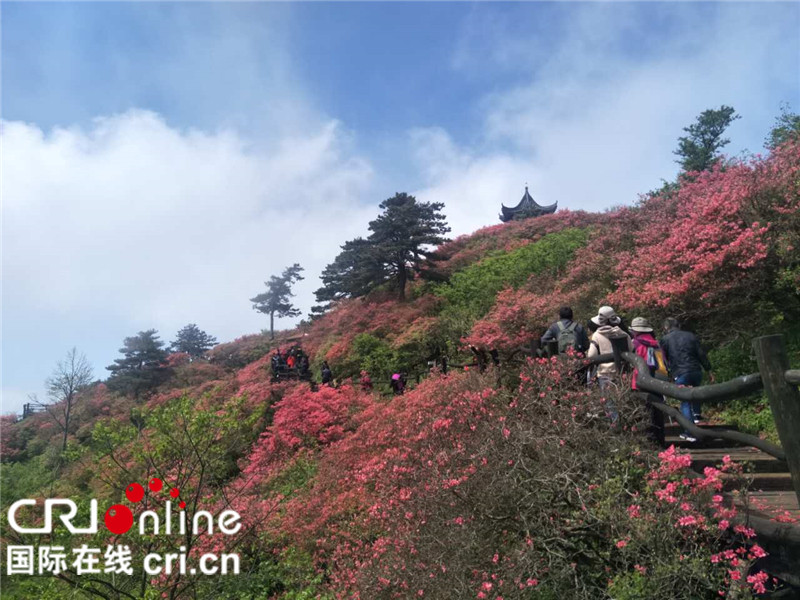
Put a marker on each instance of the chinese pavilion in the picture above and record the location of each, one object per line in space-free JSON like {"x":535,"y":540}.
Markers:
{"x":527,"y":207}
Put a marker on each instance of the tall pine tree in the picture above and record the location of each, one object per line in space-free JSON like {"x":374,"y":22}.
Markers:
{"x":276,"y":301}
{"x":403,"y":239}
{"x":193,"y":341}
{"x":141,"y":367}
{"x":698,"y":151}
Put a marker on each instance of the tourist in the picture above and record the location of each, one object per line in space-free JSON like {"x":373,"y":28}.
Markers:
{"x":567,"y":332}
{"x":686,"y":360}
{"x":646,"y":346}
{"x":601,"y":344}
{"x":398,"y":384}
{"x":327,"y":374}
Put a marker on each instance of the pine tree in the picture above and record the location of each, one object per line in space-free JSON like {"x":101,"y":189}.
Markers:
{"x":787,"y":127}
{"x":142,"y":367}
{"x":193,"y":340}
{"x":276,"y":301}
{"x":402,"y":241}
{"x":698,"y":150}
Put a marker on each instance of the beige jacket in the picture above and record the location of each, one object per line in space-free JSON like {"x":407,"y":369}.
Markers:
{"x":601,"y":344}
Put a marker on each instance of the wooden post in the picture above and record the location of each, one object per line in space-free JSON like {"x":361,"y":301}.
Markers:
{"x":784,"y":399}
{"x":536,"y":344}
{"x":552,"y":348}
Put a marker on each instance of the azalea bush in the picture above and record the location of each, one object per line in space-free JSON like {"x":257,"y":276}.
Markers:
{"x":542,"y":501}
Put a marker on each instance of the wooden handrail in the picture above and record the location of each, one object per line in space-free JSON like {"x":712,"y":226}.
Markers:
{"x":718,"y":392}
{"x":721,"y":434}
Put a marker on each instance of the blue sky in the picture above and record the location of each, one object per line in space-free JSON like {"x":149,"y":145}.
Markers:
{"x":160,"y":161}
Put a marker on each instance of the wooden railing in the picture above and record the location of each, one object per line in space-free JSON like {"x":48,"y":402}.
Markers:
{"x":774,"y":378}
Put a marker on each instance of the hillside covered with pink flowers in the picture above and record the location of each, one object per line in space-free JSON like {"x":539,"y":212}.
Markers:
{"x":500,"y":483}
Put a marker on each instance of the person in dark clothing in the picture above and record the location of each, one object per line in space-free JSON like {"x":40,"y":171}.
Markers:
{"x":567,"y":332}
{"x":303,"y":364}
{"x":277,"y":363}
{"x":686,"y":360}
{"x":327,"y":374}
{"x":398,"y":384}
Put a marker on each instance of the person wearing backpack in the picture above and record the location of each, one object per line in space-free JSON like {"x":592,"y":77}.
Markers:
{"x":601,"y":344}
{"x":646,"y":346}
{"x":567,"y":332}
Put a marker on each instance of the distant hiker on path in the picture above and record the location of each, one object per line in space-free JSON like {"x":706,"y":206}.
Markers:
{"x":327,"y":374}
{"x":686,"y":360}
{"x":567,"y":332}
{"x":601,"y":344}
{"x":277,"y":363}
{"x":398,"y":384}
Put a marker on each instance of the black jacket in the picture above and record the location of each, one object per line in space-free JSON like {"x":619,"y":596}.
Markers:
{"x":581,"y":339}
{"x":684,"y":353}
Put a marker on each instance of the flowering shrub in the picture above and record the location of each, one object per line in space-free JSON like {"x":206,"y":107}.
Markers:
{"x":718,"y":241}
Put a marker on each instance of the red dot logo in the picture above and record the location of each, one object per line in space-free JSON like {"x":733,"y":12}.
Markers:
{"x":134,"y":492}
{"x":155,"y":484}
{"x":174,"y":492}
{"x":118,"y":519}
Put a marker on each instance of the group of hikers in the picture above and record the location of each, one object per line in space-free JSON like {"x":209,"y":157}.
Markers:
{"x":677,"y":356}
{"x":294,"y":364}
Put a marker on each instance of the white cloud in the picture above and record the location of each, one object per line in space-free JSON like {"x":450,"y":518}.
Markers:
{"x":136,"y":222}
{"x":591,"y":123}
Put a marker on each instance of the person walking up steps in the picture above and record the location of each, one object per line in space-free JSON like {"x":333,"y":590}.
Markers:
{"x":686,"y":360}
{"x":646,"y":346}
{"x":567,"y":332}
{"x":601,"y":344}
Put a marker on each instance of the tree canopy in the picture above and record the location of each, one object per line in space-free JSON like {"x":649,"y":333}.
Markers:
{"x":141,"y":367}
{"x":787,"y":127}
{"x":698,"y":151}
{"x":193,"y":341}
{"x":403,"y":239}
{"x":276,"y":301}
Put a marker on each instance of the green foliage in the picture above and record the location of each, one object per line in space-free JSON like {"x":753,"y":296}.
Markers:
{"x":193,"y":340}
{"x":698,"y":151}
{"x":733,"y":359}
{"x":291,"y":575}
{"x":142,"y":367}
{"x":786,"y":128}
{"x":472,"y":291}
{"x":276,"y":301}
{"x":750,"y":416}
{"x":375,"y":356}
{"x":294,"y":477}
{"x":398,"y":247}
{"x":356,"y":270}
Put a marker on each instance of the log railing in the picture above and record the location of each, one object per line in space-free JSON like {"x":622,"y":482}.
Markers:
{"x":774,"y":378}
